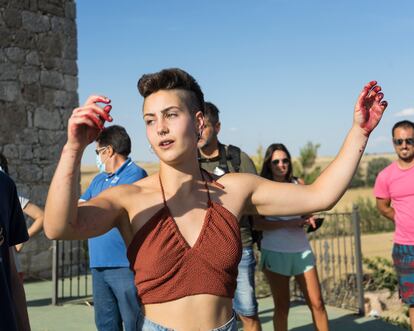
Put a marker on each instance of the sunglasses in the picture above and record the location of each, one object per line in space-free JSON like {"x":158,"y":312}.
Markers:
{"x":98,"y":150}
{"x":277,"y":161}
{"x":408,"y":141}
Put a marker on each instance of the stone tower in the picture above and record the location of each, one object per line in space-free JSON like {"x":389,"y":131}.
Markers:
{"x":38,"y":90}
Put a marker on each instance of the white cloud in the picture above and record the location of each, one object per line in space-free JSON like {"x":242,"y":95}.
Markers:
{"x":233,"y":129}
{"x":405,"y":112}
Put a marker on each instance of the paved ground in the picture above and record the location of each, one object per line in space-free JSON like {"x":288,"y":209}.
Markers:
{"x":79,"y":317}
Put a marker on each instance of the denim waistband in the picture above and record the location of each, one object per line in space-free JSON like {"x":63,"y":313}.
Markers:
{"x":145,"y":324}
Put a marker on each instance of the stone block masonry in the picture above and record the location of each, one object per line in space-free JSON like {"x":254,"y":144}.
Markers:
{"x":38,"y":90}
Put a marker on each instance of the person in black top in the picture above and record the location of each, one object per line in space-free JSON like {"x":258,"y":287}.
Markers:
{"x":13,"y":231}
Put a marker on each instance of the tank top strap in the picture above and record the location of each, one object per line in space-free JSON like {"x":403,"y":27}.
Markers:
{"x":206,"y":186}
{"x":162,"y":191}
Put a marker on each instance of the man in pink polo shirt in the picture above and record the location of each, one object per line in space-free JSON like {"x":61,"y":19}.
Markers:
{"x":394,"y":191}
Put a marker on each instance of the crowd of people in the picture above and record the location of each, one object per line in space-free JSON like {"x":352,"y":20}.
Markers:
{"x":181,"y":240}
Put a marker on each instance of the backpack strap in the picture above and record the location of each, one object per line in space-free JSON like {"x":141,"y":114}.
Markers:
{"x":223,"y":158}
{"x":233,"y":155}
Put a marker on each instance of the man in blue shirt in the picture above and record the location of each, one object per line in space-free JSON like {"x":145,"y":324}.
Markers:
{"x":114,"y":293}
{"x":13,"y":311}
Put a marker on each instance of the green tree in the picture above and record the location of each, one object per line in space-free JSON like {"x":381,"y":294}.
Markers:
{"x":307,"y":158}
{"x":358,"y":179}
{"x":258,"y":158}
{"x":374,"y":167}
{"x":297,"y":168}
{"x":371,"y":220}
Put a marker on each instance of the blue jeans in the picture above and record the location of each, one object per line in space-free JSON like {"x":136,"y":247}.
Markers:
{"x":244,"y":302}
{"x":115,"y":299}
{"x":145,"y":324}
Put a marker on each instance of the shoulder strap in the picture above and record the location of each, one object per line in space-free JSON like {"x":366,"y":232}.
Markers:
{"x":223,"y":158}
{"x":233,"y":154}
{"x":162,"y":191}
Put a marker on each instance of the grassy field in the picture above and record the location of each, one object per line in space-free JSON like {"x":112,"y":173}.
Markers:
{"x":352,"y":195}
{"x":88,"y":172}
{"x":344,"y":204}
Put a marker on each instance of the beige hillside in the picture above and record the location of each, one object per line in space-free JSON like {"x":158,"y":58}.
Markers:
{"x":88,"y":172}
{"x":353,"y":194}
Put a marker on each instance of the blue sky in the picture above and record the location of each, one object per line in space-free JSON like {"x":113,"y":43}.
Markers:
{"x":279,"y":70}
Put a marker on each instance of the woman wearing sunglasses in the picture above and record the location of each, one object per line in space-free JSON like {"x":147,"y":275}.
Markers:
{"x":285,"y":249}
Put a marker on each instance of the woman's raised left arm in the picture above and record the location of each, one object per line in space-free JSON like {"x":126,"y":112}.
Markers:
{"x":272,"y":198}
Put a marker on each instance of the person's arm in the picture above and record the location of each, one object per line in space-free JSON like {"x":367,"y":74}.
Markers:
{"x":19,"y":297}
{"x":63,"y":219}
{"x":37,"y":215}
{"x":262,"y":224}
{"x":272,"y":198}
{"x":385,"y":208}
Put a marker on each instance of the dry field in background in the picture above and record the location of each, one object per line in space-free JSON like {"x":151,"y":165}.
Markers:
{"x":351,"y":196}
{"x":88,"y":172}
{"x":372,"y":245}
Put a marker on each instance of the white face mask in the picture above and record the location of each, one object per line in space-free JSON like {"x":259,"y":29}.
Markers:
{"x":100,"y":165}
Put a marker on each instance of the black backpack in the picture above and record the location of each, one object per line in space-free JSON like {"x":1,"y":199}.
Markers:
{"x":233,"y":155}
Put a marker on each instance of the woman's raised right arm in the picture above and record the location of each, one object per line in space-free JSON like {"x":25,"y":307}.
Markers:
{"x":63,"y":219}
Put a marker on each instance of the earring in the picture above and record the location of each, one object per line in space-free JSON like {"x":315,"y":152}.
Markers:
{"x":151,"y":149}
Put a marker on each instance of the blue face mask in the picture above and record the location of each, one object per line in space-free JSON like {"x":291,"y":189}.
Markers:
{"x":100,"y":164}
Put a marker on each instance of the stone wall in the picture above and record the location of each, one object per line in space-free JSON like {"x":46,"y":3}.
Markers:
{"x":38,"y":90}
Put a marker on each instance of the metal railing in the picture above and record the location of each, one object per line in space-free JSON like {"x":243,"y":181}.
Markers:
{"x":70,"y":273}
{"x":337,"y":249}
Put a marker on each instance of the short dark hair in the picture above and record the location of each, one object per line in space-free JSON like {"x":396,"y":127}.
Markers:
{"x":171,"y":79}
{"x":4,"y":164}
{"x":211,"y":112}
{"x":117,"y":137}
{"x":267,"y":167}
{"x":402,"y":124}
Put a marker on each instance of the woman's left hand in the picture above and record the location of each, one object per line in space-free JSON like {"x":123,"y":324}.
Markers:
{"x":369,"y":107}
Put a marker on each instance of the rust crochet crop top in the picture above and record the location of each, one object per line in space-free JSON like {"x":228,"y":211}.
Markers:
{"x":167,"y":268}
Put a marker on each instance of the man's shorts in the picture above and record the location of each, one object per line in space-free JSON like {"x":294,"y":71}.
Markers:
{"x":244,"y":302}
{"x":403,"y":257}
{"x":287,"y":264}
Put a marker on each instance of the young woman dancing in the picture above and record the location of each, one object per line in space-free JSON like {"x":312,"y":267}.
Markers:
{"x":181,"y":224}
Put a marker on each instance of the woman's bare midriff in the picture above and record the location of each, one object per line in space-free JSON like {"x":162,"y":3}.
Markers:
{"x":196,"y":312}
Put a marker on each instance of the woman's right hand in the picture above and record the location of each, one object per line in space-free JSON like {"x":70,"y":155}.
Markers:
{"x":307,"y":220}
{"x":310,"y":221}
{"x":87,"y":122}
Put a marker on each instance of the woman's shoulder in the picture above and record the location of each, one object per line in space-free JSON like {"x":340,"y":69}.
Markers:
{"x":237,"y":181}
{"x":142,"y":187}
{"x":234,"y":176}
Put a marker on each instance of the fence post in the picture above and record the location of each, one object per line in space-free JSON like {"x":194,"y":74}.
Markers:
{"x":55,"y":271}
{"x":358,"y":257}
